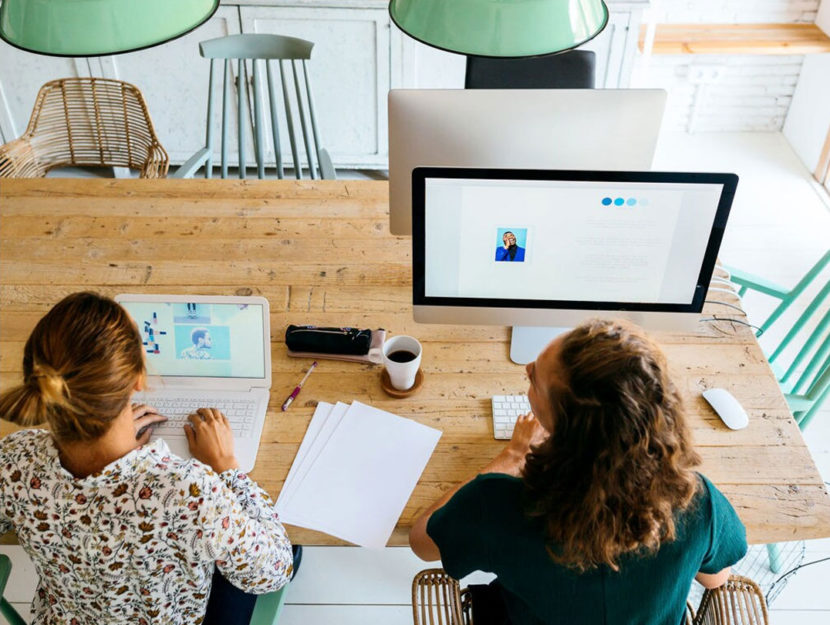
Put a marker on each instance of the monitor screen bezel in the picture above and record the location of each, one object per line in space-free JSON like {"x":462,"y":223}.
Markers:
{"x":727,"y":181}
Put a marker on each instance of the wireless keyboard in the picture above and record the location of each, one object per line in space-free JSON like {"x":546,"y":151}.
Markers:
{"x":506,"y":409}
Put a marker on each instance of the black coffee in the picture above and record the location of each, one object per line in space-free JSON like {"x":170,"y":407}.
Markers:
{"x":401,"y":356}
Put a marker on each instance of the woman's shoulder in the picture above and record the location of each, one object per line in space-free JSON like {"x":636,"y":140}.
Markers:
{"x":24,"y":443}
{"x":497,"y":486}
{"x":704,"y":503}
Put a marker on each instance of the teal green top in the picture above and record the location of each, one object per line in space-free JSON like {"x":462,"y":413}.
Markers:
{"x":484,"y":528}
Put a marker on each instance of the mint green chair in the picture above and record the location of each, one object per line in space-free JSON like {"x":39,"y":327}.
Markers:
{"x":263,"y":50}
{"x":9,"y":613}
{"x":268,"y":607}
{"x":266,"y":611}
{"x":806,"y":393}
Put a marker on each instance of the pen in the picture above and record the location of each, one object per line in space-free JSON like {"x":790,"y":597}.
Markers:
{"x":296,"y":391}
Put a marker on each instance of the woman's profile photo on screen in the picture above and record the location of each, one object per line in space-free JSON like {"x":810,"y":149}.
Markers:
{"x":511,"y":244}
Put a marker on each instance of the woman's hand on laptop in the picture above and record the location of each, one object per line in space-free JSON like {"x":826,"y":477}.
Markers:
{"x":210,"y":439}
{"x":144,"y":418}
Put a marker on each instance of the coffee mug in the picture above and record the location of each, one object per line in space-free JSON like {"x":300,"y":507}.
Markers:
{"x":402,"y":359}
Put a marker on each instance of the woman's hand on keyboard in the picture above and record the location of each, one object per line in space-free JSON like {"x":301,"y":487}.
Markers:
{"x":144,"y":418}
{"x":526,"y":433}
{"x":210,"y":439}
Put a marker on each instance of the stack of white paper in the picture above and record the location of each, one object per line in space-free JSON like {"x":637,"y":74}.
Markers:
{"x":354,"y":472}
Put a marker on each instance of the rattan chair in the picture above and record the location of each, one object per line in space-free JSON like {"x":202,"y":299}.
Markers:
{"x":438,"y":599}
{"x":88,"y":122}
{"x":738,"y":602}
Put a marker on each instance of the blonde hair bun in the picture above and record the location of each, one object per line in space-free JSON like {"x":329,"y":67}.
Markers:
{"x":51,"y":384}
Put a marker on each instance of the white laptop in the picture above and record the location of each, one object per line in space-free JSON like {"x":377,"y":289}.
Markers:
{"x":205,"y":351}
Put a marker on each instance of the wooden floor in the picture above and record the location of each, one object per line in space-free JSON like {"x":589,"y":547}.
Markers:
{"x":779,"y":227}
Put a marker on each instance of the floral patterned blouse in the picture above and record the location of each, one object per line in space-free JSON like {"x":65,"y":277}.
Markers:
{"x":136,"y":542}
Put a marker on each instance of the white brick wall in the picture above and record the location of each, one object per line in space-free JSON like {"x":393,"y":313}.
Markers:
{"x":735,"y":11}
{"x":739,"y":92}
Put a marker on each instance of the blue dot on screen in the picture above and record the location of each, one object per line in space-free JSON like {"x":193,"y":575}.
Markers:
{"x":631,"y":201}
{"x":643,"y":202}
{"x":606,"y":201}
{"x":619,"y":201}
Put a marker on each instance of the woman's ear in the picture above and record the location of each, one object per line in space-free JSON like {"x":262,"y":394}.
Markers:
{"x":139,"y":382}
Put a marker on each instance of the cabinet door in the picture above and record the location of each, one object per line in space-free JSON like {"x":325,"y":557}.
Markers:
{"x":349,"y":70}
{"x":21,"y":76}
{"x":174,"y":81}
{"x":610,"y":47}
{"x":422,"y":67}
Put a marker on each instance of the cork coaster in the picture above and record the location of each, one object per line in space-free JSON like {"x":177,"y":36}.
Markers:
{"x":386,"y":385}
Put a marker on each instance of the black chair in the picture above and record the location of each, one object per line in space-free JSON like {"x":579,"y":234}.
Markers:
{"x":567,"y":70}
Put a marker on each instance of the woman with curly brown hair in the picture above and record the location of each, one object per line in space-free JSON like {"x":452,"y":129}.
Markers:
{"x":593,"y":513}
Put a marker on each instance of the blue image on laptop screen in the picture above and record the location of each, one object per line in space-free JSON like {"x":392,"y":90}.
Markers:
{"x":201,"y":339}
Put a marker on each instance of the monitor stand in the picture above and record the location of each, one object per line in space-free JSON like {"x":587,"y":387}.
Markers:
{"x":527,"y":341}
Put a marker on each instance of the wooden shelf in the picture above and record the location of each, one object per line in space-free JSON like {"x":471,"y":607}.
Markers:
{"x":738,"y":39}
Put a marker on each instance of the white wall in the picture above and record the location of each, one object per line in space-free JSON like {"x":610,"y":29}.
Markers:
{"x":823,"y":16}
{"x":808,"y":119}
{"x":740,"y":92}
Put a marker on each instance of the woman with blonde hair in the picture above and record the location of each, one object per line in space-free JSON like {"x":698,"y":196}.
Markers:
{"x":593,"y":513}
{"x":119,"y":529}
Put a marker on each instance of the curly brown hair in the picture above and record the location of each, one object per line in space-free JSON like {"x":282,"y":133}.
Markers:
{"x":619,"y":463}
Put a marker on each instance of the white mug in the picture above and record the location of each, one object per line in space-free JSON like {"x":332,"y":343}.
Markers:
{"x":405,"y":362}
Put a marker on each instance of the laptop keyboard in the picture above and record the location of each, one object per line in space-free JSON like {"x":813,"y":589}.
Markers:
{"x":506,"y":409}
{"x":240,"y":412}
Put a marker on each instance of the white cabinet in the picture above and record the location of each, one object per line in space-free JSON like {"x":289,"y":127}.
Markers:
{"x":349,"y":71}
{"x":21,"y":76}
{"x":358,"y":56}
{"x":174,"y":81}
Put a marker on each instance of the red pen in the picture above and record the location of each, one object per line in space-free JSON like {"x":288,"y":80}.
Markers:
{"x":296,"y":391}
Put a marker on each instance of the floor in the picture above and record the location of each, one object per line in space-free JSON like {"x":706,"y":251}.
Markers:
{"x":779,"y":226}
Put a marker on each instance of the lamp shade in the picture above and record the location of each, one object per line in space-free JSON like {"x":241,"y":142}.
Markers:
{"x":501,"y":28}
{"x":97,"y":27}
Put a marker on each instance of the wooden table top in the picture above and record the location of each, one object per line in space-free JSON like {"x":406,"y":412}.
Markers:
{"x":321,"y":252}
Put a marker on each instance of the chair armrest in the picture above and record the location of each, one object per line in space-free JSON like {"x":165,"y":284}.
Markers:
{"x":157,"y":162}
{"x":756,"y":283}
{"x":17,"y":160}
{"x":192,"y":164}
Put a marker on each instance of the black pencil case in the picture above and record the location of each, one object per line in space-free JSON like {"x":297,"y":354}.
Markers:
{"x":348,"y":341}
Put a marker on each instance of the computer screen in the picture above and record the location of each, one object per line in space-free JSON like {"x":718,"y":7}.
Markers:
{"x":588,"y":129}
{"x":200,"y":339}
{"x":537,"y":247}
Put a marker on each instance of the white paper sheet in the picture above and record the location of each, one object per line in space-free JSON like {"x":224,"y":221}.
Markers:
{"x":319,"y":431}
{"x":321,"y":413}
{"x":359,"y":483}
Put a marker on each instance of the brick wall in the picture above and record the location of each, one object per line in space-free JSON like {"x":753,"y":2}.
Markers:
{"x":735,"y":11}
{"x":725,"y":92}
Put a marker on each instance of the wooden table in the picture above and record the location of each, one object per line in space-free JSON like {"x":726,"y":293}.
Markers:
{"x":321,"y":253}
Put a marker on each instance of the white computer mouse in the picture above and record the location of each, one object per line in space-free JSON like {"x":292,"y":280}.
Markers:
{"x":727,"y":408}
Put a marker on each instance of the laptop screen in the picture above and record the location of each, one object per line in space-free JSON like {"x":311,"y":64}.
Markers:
{"x":201,"y":339}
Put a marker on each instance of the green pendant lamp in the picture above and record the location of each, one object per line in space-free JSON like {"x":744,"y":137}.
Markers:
{"x":501,"y":28}
{"x":98,"y":27}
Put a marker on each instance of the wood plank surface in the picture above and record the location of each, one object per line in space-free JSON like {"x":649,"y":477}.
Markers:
{"x":737,"y":39}
{"x":321,"y":252}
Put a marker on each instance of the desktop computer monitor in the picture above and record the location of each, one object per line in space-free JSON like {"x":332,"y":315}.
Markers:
{"x":552,"y":248}
{"x":590,"y":129}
